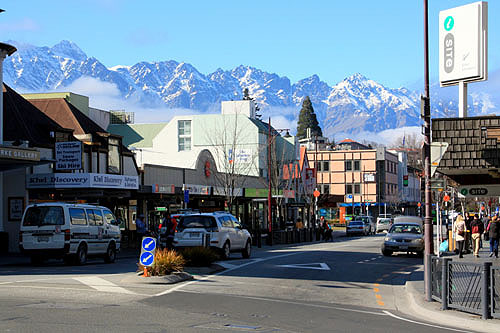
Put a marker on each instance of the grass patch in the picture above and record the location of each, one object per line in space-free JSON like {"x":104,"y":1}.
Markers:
{"x":166,"y":262}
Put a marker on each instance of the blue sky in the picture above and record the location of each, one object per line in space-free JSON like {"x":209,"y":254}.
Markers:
{"x":381,"y":39}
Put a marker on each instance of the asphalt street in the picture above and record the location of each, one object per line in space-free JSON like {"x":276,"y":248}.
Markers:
{"x":341,"y":286}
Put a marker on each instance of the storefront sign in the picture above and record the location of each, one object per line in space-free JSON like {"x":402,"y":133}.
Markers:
{"x":163,"y":188}
{"x":81,"y":180}
{"x":69,"y":155}
{"x":368,"y":177}
{"x":19,"y":154}
{"x":219,"y":190}
{"x":197,"y":189}
{"x":240,"y":155}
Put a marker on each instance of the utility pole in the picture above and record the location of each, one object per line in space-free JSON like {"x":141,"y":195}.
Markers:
{"x":269,"y":195}
{"x":428,"y":232}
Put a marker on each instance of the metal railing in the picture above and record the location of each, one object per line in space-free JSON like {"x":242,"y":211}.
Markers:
{"x":495,"y":291}
{"x":466,"y":286}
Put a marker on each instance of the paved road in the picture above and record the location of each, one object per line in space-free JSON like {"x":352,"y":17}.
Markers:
{"x":322,"y":287}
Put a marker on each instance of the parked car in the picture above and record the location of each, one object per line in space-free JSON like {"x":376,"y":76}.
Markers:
{"x":383,"y":223}
{"x":219,"y":230}
{"x":357,"y":227}
{"x":408,"y":218}
{"x":404,"y":237}
{"x":69,"y":231}
{"x":369,"y":221}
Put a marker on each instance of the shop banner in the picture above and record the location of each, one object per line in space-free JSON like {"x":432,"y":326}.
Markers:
{"x":81,"y":180}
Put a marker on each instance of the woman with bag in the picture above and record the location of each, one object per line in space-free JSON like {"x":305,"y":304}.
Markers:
{"x":459,"y":231}
{"x":493,"y":231}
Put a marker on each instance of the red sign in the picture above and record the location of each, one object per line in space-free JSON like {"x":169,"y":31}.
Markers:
{"x":419,"y":204}
{"x":316,"y":193}
{"x":446,"y":198}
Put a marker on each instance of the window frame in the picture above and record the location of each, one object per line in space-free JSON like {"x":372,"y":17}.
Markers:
{"x":346,"y":164}
{"x":70,"y":210}
{"x":184,"y":135}
{"x":114,"y":151}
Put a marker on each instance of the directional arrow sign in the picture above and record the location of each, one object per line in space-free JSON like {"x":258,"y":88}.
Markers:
{"x":148,"y":244}
{"x":321,"y":266}
{"x":147,"y":258}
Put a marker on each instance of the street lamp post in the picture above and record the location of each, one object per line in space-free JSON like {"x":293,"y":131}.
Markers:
{"x":427,"y":166}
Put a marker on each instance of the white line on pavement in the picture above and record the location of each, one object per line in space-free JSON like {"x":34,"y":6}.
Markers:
{"x":424,"y":324}
{"x":178,"y":287}
{"x":102,"y":285}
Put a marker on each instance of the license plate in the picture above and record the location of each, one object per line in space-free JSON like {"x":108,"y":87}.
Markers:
{"x":404,"y":247}
{"x":194,"y":234}
{"x":43,"y":238}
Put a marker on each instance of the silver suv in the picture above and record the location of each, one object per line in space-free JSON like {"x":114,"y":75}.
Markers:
{"x":219,"y":230}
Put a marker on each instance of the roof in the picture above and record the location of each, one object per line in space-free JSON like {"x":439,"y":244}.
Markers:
{"x":23,"y":121}
{"x":67,"y":115}
{"x":346,"y":141}
{"x":137,"y":135}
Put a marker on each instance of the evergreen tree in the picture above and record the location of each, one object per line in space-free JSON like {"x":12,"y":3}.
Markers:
{"x":307,"y":119}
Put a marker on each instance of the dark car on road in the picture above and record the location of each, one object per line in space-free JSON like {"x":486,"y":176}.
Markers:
{"x":404,"y":237}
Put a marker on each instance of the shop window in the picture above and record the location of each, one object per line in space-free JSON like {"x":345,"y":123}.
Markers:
{"x":184,"y":135}
{"x":114,"y":165}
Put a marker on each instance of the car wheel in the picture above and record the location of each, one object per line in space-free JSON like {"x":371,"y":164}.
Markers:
{"x":226,"y":250}
{"x":247,"y":251}
{"x":81,"y":255}
{"x":110,"y":255}
{"x":387,"y":253}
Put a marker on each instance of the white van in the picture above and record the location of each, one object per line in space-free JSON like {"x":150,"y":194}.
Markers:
{"x":69,"y":231}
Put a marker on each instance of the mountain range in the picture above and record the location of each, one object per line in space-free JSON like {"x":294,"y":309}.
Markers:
{"x":354,"y":105}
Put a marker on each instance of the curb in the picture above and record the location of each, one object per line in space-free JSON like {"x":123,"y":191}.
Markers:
{"x":431,"y":311}
{"x":175,"y":277}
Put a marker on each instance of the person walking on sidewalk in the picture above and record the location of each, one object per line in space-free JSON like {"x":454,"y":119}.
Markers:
{"x":477,"y":229}
{"x":494,"y":233}
{"x":459,"y":231}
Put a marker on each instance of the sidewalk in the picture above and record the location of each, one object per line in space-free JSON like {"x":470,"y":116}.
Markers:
{"x":431,"y":311}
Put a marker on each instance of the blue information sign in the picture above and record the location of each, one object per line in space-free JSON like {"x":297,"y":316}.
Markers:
{"x":147,"y":258}
{"x":148,"y":244}
{"x":186,"y":196}
{"x":349,"y":196}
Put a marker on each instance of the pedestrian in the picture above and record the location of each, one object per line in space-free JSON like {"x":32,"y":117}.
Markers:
{"x":322,"y":227}
{"x":494,"y":234}
{"x":171,"y":225}
{"x":468,"y":238}
{"x":140,"y":228}
{"x":459,"y":231}
{"x":477,"y":229}
{"x":328,"y":232}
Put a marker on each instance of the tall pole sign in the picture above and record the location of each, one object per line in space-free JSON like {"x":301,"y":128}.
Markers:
{"x":463,"y":48}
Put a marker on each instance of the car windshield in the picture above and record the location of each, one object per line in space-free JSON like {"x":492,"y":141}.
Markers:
{"x":406,"y":229}
{"x":384,"y":221}
{"x":46,"y":215}
{"x":196,"y":221}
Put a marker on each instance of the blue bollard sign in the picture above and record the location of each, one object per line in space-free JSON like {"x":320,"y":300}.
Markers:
{"x":148,"y":249}
{"x":148,"y":244}
{"x":147,"y":258}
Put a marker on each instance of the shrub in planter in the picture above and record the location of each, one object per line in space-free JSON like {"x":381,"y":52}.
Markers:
{"x":199,"y":256}
{"x":166,"y":262}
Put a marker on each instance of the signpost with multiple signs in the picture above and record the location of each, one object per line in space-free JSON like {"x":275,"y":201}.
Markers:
{"x":148,"y":249}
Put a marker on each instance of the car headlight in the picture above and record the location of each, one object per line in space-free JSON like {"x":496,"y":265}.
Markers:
{"x":387,"y":239}
{"x":419,"y":240}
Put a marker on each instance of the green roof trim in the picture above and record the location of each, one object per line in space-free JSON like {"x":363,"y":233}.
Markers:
{"x":137,"y":135}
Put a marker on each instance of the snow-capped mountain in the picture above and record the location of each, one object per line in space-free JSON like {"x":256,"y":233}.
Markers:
{"x":354,"y":105}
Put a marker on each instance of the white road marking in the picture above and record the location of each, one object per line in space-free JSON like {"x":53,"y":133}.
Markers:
{"x":225,"y":264}
{"x":102,"y":285}
{"x":322,"y":266}
{"x":423,"y":324}
{"x":182,"y":285}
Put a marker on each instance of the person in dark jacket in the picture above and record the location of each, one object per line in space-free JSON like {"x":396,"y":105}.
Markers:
{"x":494,"y":233}
{"x":477,"y":229}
